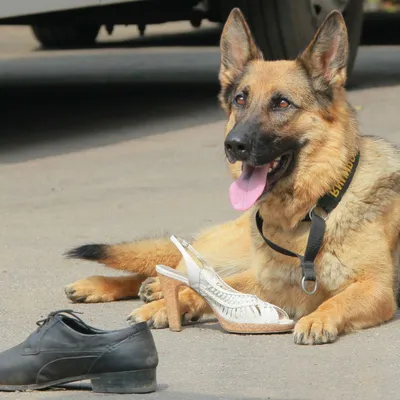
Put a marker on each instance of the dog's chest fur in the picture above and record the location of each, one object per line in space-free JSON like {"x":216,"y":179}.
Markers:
{"x":362,"y":215}
{"x":282,"y":271}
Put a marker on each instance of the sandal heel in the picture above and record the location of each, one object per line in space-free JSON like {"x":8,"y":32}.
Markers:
{"x":170,"y":288}
{"x":141,"y":381}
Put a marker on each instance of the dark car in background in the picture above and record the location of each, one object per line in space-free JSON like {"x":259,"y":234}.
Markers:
{"x":281,"y":27}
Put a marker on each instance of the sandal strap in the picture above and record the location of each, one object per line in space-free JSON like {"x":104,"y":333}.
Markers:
{"x":193,"y":271}
{"x":218,"y":289}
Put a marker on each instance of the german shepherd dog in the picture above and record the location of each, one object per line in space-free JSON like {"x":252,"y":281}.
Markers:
{"x":290,"y":137}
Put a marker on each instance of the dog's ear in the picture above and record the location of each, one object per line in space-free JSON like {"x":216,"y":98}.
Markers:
{"x":326,"y":56}
{"x":237,"y":49}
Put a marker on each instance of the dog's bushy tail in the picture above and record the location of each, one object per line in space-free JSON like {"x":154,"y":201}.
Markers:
{"x":140,"y":257}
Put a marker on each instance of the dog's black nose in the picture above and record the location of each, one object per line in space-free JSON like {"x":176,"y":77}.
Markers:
{"x":237,"y":147}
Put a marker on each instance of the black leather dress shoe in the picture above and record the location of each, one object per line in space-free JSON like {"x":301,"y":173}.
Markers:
{"x":65,"y":349}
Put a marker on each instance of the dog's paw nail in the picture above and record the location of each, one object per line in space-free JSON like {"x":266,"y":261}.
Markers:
{"x":319,"y":340}
{"x":147,"y":282}
{"x":142,"y":296}
{"x":150,"y":323}
{"x":298,"y":338}
{"x":329,"y":337}
{"x":146,"y":296}
{"x":80,"y":300}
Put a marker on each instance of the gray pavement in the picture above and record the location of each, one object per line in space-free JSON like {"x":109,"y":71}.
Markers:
{"x":117,"y":143}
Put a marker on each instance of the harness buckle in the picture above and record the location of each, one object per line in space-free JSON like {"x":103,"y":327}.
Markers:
{"x":310,"y":213}
{"x":303,"y":286}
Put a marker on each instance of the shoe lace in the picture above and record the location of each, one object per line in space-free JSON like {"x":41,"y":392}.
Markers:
{"x":40,"y":323}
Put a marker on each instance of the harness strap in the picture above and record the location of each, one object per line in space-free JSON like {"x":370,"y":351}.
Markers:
{"x":314,"y":244}
{"x":317,"y":230}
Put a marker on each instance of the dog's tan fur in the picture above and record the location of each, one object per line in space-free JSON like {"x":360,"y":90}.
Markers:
{"x":357,"y":267}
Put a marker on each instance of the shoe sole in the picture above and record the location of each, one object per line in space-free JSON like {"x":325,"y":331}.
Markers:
{"x":125,"y":382}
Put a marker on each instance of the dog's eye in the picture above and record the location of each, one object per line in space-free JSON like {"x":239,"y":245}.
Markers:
{"x":282,"y":104}
{"x":240,"y":100}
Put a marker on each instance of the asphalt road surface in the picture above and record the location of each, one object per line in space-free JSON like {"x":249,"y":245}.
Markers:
{"x":124,"y":141}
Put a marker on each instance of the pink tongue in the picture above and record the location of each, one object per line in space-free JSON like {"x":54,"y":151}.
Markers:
{"x":245,"y":191}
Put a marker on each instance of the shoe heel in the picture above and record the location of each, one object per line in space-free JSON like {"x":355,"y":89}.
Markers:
{"x":141,"y":381}
{"x":170,"y":289}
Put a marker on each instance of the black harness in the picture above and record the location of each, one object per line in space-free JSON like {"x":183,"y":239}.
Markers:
{"x":318,"y":223}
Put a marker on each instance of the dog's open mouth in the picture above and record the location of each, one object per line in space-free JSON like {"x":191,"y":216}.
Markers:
{"x":257,"y":180}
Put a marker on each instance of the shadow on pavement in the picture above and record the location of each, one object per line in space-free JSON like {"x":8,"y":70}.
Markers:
{"x":70,"y":391}
{"x":75,"y":117}
{"x":62,"y":102}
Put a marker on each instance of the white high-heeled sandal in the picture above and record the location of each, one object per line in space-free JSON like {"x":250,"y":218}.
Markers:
{"x":236,"y":312}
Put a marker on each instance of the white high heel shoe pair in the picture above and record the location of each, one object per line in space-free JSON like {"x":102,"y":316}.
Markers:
{"x":236,"y":312}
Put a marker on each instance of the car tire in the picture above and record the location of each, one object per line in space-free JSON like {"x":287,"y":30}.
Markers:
{"x":64,"y":36}
{"x":283,"y":28}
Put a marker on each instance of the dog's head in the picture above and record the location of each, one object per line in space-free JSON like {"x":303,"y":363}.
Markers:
{"x":281,"y":113}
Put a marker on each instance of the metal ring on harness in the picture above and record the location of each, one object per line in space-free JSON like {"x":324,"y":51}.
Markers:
{"x":303,"y":286}
{"x":311,"y":211}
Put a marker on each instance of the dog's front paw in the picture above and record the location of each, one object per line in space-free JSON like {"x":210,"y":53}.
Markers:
{"x":151,"y":290}
{"x":89,"y":290}
{"x":155,"y":314}
{"x":316,"y":328}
